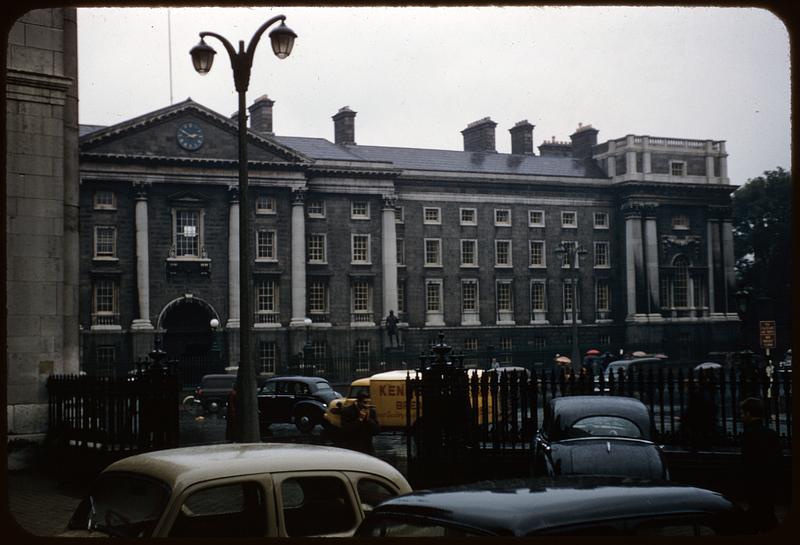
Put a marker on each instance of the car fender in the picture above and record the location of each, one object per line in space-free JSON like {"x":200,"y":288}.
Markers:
{"x":306,"y":404}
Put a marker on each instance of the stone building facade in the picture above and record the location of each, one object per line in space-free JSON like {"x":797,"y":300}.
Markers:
{"x":41,"y":213}
{"x":462,"y":241}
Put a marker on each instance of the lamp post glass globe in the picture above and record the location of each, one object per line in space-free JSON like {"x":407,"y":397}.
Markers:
{"x":202,"y":57}
{"x":214,"y":323}
{"x":282,"y":39}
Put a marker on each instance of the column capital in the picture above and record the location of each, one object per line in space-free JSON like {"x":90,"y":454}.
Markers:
{"x":233,"y":194}
{"x":720,"y":212}
{"x":141,"y":189}
{"x":298,"y":197}
{"x":631,"y":210}
{"x":389,"y":202}
{"x":672,"y":244}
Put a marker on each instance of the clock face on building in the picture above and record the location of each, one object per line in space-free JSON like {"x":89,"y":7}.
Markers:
{"x":190,"y":136}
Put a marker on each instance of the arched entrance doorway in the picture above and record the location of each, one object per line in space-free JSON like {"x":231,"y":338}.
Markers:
{"x":189,"y":340}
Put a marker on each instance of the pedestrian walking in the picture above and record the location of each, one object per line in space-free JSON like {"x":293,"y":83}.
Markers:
{"x":761,"y":463}
{"x":359,"y":424}
{"x":391,"y":329}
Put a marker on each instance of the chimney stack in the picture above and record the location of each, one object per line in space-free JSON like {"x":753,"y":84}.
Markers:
{"x":261,"y":115}
{"x":522,"y":138}
{"x":344,"y":126}
{"x":583,"y":139}
{"x":479,"y":135}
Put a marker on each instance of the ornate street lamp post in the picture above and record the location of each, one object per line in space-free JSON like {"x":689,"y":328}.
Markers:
{"x":282,"y":39}
{"x":572,"y":254}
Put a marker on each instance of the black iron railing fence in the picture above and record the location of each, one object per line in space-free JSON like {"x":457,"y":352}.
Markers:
{"x":127,"y":414}
{"x":695,"y":409}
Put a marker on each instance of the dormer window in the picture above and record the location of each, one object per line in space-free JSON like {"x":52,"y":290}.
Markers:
{"x":677,"y":168}
{"x":680,"y":221}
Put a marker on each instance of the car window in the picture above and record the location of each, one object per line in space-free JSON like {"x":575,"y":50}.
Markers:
{"x":355,"y":390}
{"x":233,"y":510}
{"x":603,"y":426}
{"x":372,"y":492}
{"x":284,"y":387}
{"x":675,"y":528}
{"x":318,"y":505}
{"x":301,"y":388}
{"x":323,"y":386}
{"x":122,"y":504}
{"x":269,"y":388}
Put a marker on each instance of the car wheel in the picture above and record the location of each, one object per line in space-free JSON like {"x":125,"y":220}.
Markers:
{"x":305,"y":421}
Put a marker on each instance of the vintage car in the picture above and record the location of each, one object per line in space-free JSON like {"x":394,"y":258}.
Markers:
{"x":236,"y":490}
{"x":584,"y":506}
{"x":297,"y":399}
{"x":598,"y":435}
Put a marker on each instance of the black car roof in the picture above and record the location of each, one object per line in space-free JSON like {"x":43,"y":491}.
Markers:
{"x":298,"y":378}
{"x":522,"y":507}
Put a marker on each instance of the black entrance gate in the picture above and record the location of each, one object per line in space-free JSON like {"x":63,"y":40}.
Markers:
{"x":189,"y":340}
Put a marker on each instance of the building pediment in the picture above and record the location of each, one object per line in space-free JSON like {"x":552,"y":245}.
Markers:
{"x":184,"y":132}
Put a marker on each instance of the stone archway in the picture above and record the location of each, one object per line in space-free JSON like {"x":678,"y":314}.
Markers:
{"x":188,"y":339}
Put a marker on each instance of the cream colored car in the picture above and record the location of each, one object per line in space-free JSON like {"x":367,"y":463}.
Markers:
{"x":236,"y":490}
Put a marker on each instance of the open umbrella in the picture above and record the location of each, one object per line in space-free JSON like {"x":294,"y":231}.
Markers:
{"x":563,"y":360}
{"x":592,"y":352}
{"x":707,"y":365}
{"x":639,"y":354}
{"x":661,"y":356}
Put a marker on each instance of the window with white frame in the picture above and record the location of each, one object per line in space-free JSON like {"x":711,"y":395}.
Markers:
{"x":602,"y":299}
{"x":267,"y":357}
{"x":266,"y":292}
{"x":602,"y":258}
{"x":317,"y":298}
{"x":604,"y":340}
{"x":568,"y":298}
{"x":187,"y":231}
{"x":434,"y":314}
{"x":468,"y":216}
{"x":536,"y":253}
{"x":361,"y":301}
{"x":105,"y":302}
{"x":401,"y":252}
{"x":399,"y":214}
{"x":469,"y":253}
{"x":361,"y":352}
{"x":502,"y":253}
{"x":317,"y":244}
{"x":432,"y":215}
{"x":359,"y":210}
{"x":401,"y":300}
{"x":538,"y":300}
{"x":601,"y":220}
{"x":316,"y":208}
{"x":539,"y":343}
{"x":433,"y":252}
{"x":265,"y":245}
{"x":677,"y":168}
{"x":502,"y":217}
{"x":504,"y":298}
{"x":680,"y":221}
{"x":536,"y":218}
{"x":105,"y":200}
{"x":470,"y":344}
{"x":105,"y":241}
{"x":360,"y":249}
{"x":469,"y":301}
{"x":680,"y":282}
{"x":319,"y":353}
{"x":265,"y":204}
{"x":569,"y":220}
{"x":506,"y":349}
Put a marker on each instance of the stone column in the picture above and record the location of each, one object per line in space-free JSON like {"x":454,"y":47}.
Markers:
{"x":633,"y":255}
{"x":651,"y":253}
{"x":723,"y":161}
{"x":611,"y":168}
{"x":647,"y":166}
{"x":298,"y":259}
{"x":710,"y":227}
{"x":233,"y":260}
{"x":726,"y":225}
{"x":142,"y":260}
{"x":389,"y":258}
{"x":709,"y":160}
{"x":630,"y":158}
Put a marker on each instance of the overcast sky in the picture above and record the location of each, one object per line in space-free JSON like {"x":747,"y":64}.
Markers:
{"x":418,"y":76}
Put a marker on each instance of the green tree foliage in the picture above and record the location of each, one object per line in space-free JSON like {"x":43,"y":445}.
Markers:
{"x":762,"y":222}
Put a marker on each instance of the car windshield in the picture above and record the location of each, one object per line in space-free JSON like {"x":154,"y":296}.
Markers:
{"x":355,"y":390}
{"x":603,"y":426}
{"x":122,"y":504}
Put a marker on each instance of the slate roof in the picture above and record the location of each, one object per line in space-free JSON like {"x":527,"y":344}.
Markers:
{"x":444,"y":160}
{"x":88,"y":129}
